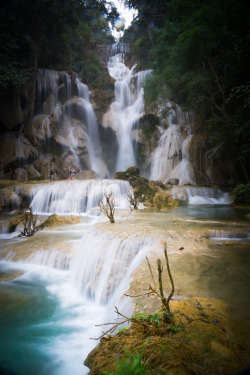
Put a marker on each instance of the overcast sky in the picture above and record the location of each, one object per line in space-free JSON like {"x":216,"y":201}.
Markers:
{"x":126,"y":14}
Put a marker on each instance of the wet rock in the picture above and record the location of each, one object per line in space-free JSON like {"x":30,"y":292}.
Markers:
{"x":173,"y":181}
{"x":15,"y":222}
{"x":59,"y":220}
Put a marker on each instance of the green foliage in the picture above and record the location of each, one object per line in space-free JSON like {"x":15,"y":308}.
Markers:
{"x":176,"y":329}
{"x":241,"y":194}
{"x":52,"y":34}
{"x":132,"y":364}
{"x":140,"y":316}
{"x":199,"y":55}
{"x":122,"y":329}
{"x":152,"y":319}
{"x":14,"y":75}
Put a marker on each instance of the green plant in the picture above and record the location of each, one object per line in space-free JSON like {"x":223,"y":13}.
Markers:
{"x":175,"y":329}
{"x":156,"y":318}
{"x":132,"y":364}
{"x":122,"y":329}
{"x":140,"y":316}
{"x":241,"y":193}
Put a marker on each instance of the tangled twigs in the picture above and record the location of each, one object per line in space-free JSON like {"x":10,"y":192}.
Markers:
{"x":108,"y":208}
{"x":115,"y":325}
{"x":29,"y":224}
{"x":132,"y":200}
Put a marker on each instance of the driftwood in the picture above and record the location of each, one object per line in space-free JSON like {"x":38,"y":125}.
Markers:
{"x":108,"y":208}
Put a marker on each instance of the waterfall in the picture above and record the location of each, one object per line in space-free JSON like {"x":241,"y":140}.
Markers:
{"x":50,"y":258}
{"x":102,"y":268}
{"x":128,"y":106}
{"x":184,"y":170}
{"x":201,"y":195}
{"x":170,"y":160}
{"x":230,"y":235}
{"x":47,"y":88}
{"x":74,"y":197}
{"x":92,"y":135}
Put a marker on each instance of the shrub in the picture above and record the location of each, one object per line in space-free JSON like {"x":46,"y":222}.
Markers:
{"x":241,"y":194}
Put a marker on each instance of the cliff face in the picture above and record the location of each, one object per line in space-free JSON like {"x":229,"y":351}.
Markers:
{"x":57,"y":134}
{"x":72,"y":127}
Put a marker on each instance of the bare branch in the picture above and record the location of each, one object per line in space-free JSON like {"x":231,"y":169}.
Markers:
{"x":132,"y":200}
{"x":108,"y":208}
{"x":150,"y":269}
{"x":170,"y":276}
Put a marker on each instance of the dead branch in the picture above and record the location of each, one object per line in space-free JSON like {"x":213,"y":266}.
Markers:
{"x":29,"y":223}
{"x":108,"y":208}
{"x":150,"y":269}
{"x":171,"y":279}
{"x":132,"y":200}
{"x":115,"y":325}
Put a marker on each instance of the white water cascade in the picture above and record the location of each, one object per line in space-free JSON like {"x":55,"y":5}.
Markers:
{"x":74,"y":197}
{"x":170,"y":160}
{"x":201,"y":195}
{"x":128,"y":106}
{"x":92,"y":135}
{"x":74,"y":293}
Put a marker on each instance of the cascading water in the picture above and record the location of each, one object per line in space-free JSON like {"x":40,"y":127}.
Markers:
{"x":201,"y":195}
{"x":128,"y":106}
{"x":73,"y":294}
{"x":92,"y":135}
{"x":170,"y":160}
{"x":74,"y":197}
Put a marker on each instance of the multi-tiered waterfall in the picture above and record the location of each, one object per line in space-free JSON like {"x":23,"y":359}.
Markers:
{"x":171,"y":159}
{"x":127,"y":107}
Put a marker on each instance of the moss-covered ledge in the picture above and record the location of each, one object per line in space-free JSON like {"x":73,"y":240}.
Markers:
{"x":208,"y":342}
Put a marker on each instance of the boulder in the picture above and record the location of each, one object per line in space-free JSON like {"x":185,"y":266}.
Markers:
{"x":59,"y":220}
{"x":173,"y":181}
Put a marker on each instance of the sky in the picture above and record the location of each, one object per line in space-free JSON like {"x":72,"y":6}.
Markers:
{"x":126,"y":15}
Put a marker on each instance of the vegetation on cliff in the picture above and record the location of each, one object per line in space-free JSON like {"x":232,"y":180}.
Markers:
{"x":151,"y":193}
{"x":199,"y":55}
{"x":52,"y":34}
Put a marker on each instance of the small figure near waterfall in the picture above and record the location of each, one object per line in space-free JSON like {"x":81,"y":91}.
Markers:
{"x":11,"y":173}
{"x":52,"y":173}
{"x":71,"y":173}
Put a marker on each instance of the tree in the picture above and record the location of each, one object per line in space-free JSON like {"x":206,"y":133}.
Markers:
{"x":199,"y":58}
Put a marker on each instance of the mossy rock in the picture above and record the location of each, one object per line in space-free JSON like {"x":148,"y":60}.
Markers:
{"x":59,"y":220}
{"x":199,"y":340}
{"x":144,"y":190}
{"x":164,"y":201}
{"x":130,"y":172}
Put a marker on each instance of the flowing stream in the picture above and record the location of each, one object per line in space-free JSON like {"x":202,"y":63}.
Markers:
{"x":56,"y":286}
